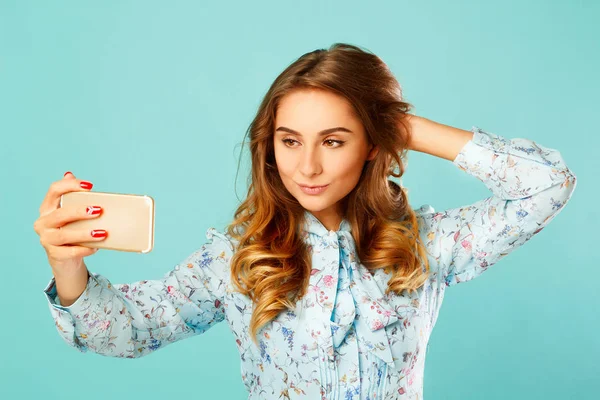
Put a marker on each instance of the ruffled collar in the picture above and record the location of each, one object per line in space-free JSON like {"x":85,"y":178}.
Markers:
{"x":313,"y":225}
{"x":362,"y":304}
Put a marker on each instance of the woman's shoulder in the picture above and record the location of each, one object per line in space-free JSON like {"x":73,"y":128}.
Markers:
{"x":220,"y":236}
{"x":424,"y":209}
{"x":424,"y":214}
{"x":425,"y":220}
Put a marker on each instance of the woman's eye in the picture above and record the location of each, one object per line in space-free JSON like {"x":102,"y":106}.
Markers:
{"x":286,"y":141}
{"x":339,"y":142}
{"x":329,"y":141}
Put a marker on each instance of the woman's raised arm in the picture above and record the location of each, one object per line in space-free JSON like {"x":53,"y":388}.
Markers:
{"x":530,"y":185}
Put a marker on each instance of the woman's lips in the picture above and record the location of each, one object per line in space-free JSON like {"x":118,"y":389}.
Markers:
{"x":314,"y":190}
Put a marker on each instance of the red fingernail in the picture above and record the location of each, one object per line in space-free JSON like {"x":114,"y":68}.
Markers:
{"x":68,"y":172}
{"x":97,"y":233}
{"x":93,"y":210}
{"x":86,"y":185}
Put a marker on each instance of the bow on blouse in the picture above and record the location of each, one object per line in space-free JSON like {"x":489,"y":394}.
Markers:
{"x":358,"y":299}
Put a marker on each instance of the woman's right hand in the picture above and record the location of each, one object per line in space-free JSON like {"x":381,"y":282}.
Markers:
{"x":65,"y":258}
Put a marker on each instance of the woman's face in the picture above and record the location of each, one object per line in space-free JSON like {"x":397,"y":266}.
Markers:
{"x":318,"y":141}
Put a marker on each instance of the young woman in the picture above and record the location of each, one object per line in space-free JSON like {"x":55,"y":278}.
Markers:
{"x":332,"y":291}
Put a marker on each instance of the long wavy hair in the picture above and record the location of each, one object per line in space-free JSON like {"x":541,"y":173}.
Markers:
{"x":271,"y":263}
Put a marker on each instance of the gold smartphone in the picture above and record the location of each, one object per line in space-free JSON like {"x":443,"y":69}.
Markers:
{"x":128,"y":219}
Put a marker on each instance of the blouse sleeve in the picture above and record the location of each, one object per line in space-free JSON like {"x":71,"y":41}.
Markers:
{"x":530,"y":185}
{"x":132,"y":320}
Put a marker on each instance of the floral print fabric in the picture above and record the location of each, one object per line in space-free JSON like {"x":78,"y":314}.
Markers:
{"x":345,"y":339}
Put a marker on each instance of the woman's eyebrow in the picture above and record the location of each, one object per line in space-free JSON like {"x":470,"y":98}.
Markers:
{"x":322,"y":133}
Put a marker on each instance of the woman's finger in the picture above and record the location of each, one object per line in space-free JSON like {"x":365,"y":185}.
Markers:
{"x":68,"y":184}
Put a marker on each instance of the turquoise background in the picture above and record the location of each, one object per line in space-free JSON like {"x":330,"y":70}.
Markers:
{"x":154,"y":97}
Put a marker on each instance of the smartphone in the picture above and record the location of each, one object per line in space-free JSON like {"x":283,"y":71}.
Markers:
{"x":128,"y":219}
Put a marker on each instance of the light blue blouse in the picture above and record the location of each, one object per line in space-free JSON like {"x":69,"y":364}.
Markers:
{"x":345,"y":339}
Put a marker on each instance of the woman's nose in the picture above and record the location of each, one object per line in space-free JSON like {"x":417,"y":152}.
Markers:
{"x":310,"y":163}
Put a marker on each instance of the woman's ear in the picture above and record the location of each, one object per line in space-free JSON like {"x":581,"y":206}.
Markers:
{"x":373,"y":152}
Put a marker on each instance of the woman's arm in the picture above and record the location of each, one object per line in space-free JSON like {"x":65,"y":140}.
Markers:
{"x":529,"y":184}
{"x":436,"y":139}
{"x":132,"y":320}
